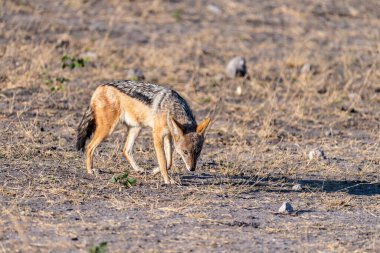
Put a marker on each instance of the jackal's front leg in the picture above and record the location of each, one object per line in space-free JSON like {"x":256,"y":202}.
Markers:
{"x":158,"y":140}
{"x":133,"y":133}
{"x":168,"y":147}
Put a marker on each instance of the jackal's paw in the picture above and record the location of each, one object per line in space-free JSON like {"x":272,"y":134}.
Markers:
{"x":156,"y":171}
{"x":94,"y":172}
{"x":172,"y":181}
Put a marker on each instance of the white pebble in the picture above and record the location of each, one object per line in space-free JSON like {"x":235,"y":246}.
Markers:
{"x":297,"y":187}
{"x":238,"y":90}
{"x":317,"y":154}
{"x":214,"y":9}
{"x":306,"y":68}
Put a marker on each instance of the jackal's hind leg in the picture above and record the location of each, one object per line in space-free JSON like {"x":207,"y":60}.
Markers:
{"x":100,"y":134}
{"x":133,"y":133}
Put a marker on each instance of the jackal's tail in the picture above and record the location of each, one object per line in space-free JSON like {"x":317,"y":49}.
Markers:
{"x":86,"y":128}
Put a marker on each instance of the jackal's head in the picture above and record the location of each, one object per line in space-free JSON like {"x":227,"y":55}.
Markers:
{"x":189,"y":144}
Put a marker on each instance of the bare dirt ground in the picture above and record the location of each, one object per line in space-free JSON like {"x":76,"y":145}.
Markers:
{"x":314,"y":83}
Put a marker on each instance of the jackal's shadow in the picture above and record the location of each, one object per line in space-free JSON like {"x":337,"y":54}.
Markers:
{"x":283,"y":184}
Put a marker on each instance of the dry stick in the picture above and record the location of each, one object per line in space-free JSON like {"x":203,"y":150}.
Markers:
{"x":214,"y":112}
{"x":2,"y":247}
{"x":106,"y":36}
{"x":363,"y":86}
{"x":374,"y":215}
{"x":352,"y":186}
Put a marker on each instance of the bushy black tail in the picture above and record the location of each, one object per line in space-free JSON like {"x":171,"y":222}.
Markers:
{"x":85,"y":129}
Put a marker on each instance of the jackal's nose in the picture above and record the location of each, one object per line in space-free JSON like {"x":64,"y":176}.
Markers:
{"x":192,"y":168}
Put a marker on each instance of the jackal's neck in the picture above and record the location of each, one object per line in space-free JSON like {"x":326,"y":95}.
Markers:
{"x":177,"y":107}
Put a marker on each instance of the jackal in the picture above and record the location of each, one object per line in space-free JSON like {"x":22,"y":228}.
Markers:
{"x":139,"y":105}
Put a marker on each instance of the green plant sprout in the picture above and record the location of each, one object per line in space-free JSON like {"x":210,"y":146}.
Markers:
{"x":124,"y":179}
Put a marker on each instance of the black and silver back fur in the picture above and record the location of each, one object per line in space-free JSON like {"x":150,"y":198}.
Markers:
{"x":159,"y":98}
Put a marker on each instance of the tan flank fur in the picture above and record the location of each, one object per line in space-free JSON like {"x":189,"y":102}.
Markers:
{"x":140,"y":105}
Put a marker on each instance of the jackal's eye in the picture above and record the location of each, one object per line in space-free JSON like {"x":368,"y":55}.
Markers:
{"x":185,"y":152}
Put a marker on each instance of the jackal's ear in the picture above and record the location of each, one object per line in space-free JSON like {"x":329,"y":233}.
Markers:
{"x":177,"y":127}
{"x":201,"y":128}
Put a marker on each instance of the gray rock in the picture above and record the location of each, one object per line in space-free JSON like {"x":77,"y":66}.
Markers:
{"x":135,"y":75}
{"x":297,"y":187}
{"x":236,"y":67}
{"x":286,"y":208}
{"x":317,"y":154}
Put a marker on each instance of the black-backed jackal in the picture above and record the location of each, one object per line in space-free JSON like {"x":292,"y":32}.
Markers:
{"x":138,"y":105}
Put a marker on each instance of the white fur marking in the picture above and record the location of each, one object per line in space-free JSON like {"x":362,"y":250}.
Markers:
{"x":157,"y":100}
{"x":129,"y":120}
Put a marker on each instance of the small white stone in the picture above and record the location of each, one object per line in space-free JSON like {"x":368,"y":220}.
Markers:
{"x":354,"y":12}
{"x":329,"y":132}
{"x":317,"y":154}
{"x":214,"y":9}
{"x":306,"y":68}
{"x":297,"y":187}
{"x":354,"y":96}
{"x":238,"y":90}
{"x":286,"y":208}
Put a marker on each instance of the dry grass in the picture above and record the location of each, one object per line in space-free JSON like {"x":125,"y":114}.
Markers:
{"x":314,"y":83}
